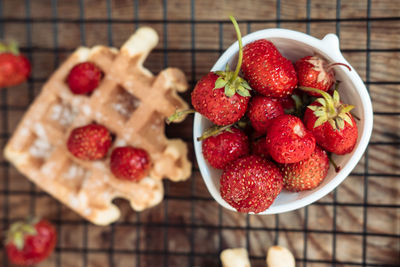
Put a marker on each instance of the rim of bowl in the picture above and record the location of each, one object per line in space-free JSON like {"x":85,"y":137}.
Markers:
{"x":329,"y":45}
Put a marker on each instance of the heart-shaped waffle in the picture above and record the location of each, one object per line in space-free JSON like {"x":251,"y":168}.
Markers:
{"x":131,"y":103}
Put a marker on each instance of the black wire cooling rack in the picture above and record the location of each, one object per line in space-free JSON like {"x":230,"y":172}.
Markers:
{"x":154,"y":234}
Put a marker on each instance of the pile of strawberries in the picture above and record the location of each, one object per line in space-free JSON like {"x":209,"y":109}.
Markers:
{"x":93,"y":141}
{"x":273,"y":126}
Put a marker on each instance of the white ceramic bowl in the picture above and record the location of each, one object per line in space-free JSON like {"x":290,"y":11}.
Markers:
{"x":295,"y":45}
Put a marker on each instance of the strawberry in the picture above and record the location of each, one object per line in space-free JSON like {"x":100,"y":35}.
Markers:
{"x":288,"y":141}
{"x":262,"y":110}
{"x":14,"y":67}
{"x":315,"y":72}
{"x":267,"y":71}
{"x":215,"y":104}
{"x":31,"y":242}
{"x":223,"y":96}
{"x":331,"y":123}
{"x":225,"y":147}
{"x":130,"y":163}
{"x":259,"y":147}
{"x":89,"y":142}
{"x":306,"y":174}
{"x":251,"y":184}
{"x":84,"y":78}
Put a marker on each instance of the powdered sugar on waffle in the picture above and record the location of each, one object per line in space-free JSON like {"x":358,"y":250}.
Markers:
{"x":132,"y":103}
{"x":74,"y":171}
{"x":41,"y":148}
{"x":63,"y":114}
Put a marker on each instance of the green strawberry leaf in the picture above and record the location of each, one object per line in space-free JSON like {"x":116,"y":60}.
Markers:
{"x":321,"y":101}
{"x":319,"y":121}
{"x":242,"y":91}
{"x":336,"y":97}
{"x":11,"y":47}
{"x":246,"y":85}
{"x":347,"y":108}
{"x":320,"y":113}
{"x":340,"y":122}
{"x":220,"y":82}
{"x":332,"y":123}
{"x":312,"y":107}
{"x":227,"y":69}
{"x":18,"y":240}
{"x":347,"y":119}
{"x":229,"y":91}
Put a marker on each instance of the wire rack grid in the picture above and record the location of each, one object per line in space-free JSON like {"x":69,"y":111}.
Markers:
{"x":188,"y":228}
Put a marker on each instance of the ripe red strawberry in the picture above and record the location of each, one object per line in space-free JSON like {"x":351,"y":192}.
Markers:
{"x":259,"y":147}
{"x":14,"y":67}
{"x":288,"y":141}
{"x":331,"y":123}
{"x":315,"y":72}
{"x":262,"y":110}
{"x":215,"y":104}
{"x":225,"y":147}
{"x":130,"y":163}
{"x":89,"y":142}
{"x":223,"y":96}
{"x":84,"y":78}
{"x":267,"y":71}
{"x":251,"y":184}
{"x":29,"y":243}
{"x":306,"y":174}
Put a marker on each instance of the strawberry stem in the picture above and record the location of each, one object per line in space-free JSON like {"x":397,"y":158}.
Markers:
{"x":337,"y":168}
{"x":178,"y":115}
{"x":337,"y":64}
{"x":239,"y":37}
{"x":325,"y":95}
{"x":215,"y":130}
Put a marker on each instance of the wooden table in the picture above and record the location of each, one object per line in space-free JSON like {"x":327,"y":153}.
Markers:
{"x":357,"y":224}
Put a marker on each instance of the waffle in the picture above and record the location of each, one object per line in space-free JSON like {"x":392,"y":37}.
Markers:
{"x":131,"y":103}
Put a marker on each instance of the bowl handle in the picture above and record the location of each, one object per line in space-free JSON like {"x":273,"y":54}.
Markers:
{"x":331,"y":40}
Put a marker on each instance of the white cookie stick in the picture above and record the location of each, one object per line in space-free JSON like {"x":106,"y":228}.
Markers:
{"x":280,"y":257}
{"x":235,"y":257}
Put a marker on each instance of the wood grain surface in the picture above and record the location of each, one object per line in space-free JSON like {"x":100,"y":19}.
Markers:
{"x":359,"y":223}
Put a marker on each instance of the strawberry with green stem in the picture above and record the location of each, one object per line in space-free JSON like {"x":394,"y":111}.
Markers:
{"x":224,"y":146}
{"x":315,"y":72}
{"x":331,"y":122}
{"x":14,"y":67}
{"x":30,"y":242}
{"x":221,"y":96}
